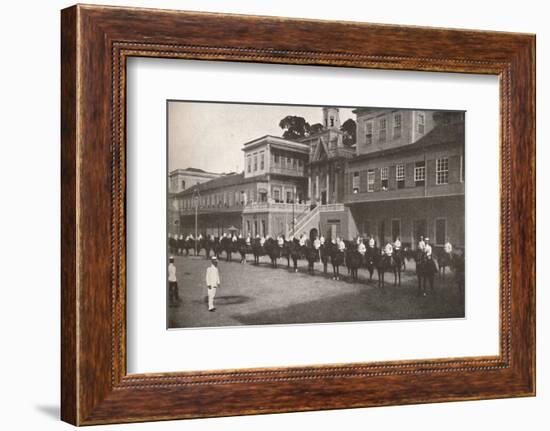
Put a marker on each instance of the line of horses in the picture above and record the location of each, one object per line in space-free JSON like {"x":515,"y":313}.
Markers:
{"x":293,"y":250}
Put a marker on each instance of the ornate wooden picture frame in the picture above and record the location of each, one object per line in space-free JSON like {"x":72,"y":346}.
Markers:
{"x":96,"y":41}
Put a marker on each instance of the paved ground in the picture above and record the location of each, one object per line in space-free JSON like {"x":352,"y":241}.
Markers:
{"x":258,"y":295}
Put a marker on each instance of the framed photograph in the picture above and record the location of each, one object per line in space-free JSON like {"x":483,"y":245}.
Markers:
{"x":265,"y":215}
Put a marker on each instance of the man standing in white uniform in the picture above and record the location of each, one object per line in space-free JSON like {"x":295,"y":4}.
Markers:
{"x":212,"y":282}
{"x":173,"y":294}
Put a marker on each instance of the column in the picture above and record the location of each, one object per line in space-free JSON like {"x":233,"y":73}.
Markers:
{"x":308,"y":188}
{"x":283,"y":196}
{"x":317,"y":187}
{"x":328,"y":185}
{"x":268,"y":189}
{"x":336,"y":187}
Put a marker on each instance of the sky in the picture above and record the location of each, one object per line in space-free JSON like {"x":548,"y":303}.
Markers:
{"x":210,"y":136}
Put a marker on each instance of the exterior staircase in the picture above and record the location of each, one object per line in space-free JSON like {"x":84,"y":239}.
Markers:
{"x":305,"y":222}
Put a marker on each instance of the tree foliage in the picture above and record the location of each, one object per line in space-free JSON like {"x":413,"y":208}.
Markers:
{"x":350,"y":132}
{"x":294,"y":127}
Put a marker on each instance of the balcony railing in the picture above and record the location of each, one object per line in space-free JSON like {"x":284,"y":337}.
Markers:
{"x":274,"y":206}
{"x":331,"y":207}
{"x":296,"y":172}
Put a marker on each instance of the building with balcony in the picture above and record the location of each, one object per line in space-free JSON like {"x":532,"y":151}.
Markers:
{"x":404,"y":178}
{"x":266,"y":199}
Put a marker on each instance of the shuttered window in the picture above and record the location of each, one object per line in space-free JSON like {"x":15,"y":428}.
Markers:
{"x":442,"y":171}
{"x":370,"y":180}
{"x":400,"y":175}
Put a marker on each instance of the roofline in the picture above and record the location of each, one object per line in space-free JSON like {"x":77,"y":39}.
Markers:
{"x":402,"y":148}
{"x":208,"y":185}
{"x":195,"y":173}
{"x":267,"y":138}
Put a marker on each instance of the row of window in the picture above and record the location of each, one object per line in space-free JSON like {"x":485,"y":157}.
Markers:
{"x":221,"y":200}
{"x":253,"y":158}
{"x":225,"y":199}
{"x":287,"y":161}
{"x":390,"y":230}
{"x":381,"y":128}
{"x":257,"y":160}
{"x":441,"y":175}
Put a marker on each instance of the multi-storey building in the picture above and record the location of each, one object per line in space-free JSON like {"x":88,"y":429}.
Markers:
{"x":404,"y":178}
{"x":407,"y":179}
{"x":266,"y":199}
{"x":181,"y":179}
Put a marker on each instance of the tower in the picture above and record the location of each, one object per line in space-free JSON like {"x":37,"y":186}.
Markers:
{"x":331,"y":118}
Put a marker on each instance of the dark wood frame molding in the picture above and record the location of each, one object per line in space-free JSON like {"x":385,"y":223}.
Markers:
{"x":95,"y":43}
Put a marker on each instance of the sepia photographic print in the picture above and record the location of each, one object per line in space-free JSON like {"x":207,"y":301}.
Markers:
{"x":300,"y":214}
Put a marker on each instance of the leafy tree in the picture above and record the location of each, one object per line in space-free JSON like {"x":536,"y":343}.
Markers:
{"x":350,"y":132}
{"x":294,"y":127}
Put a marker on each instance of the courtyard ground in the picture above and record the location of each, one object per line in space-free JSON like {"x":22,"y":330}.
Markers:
{"x":258,"y":295}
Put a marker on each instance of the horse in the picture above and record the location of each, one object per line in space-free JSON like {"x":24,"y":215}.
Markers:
{"x":325,"y":252}
{"x":457,"y":265}
{"x":337,"y":259}
{"x":312,"y":256}
{"x":229,"y":246}
{"x":258,"y":250}
{"x":243,"y":249}
{"x":207,"y":243}
{"x":425,"y":271}
{"x":172,"y":245}
{"x":385,"y":263}
{"x":188,"y":244}
{"x":371,"y":256}
{"x":274,"y":250}
{"x":295,"y":252}
{"x":444,"y":260}
{"x":353,"y":262}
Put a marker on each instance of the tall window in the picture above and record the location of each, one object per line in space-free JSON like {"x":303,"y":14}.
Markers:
{"x":355,"y":182}
{"x":400,"y":175}
{"x":419,"y":173}
{"x":248,"y":164}
{"x":395,"y":228}
{"x":370,"y":180}
{"x":331,"y":121}
{"x":248,"y":226}
{"x":384,"y":174}
{"x":368,"y":126}
{"x":262,"y":163}
{"x":276,"y":195}
{"x":276,"y":158}
{"x":397,"y":125}
{"x":440,"y":231}
{"x":442,"y":171}
{"x":255,"y":162}
{"x":183,"y":184}
{"x":420,"y":122}
{"x":382,"y":130}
